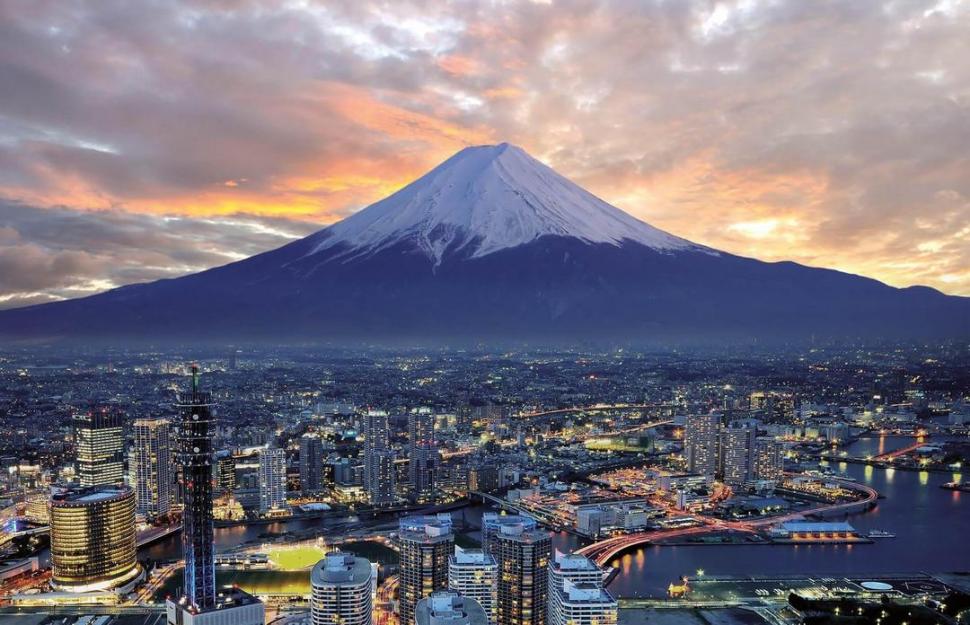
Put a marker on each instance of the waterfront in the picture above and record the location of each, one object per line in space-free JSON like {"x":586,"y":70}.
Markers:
{"x":930,"y":523}
{"x":931,"y":527}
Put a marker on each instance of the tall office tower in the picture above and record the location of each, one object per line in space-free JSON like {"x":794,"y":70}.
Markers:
{"x":341,"y":590}
{"x":447,"y":607}
{"x":379,"y":470}
{"x":311,"y":464}
{"x":492,"y":523}
{"x":226,"y":473}
{"x":194,"y":456}
{"x":576,"y":593}
{"x":422,"y":454}
{"x":93,"y":538}
{"x":272,"y":479}
{"x":738,"y":451}
{"x":426,"y":543}
{"x":474,"y":574}
{"x":100,"y":439}
{"x":199,"y":604}
{"x":701,"y":443}
{"x":523,"y":583}
{"x":151,"y":466}
{"x":769,"y":462}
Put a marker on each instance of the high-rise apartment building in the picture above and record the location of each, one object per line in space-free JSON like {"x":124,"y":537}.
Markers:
{"x":769,"y":460}
{"x":493,"y":522}
{"x":311,"y":464}
{"x":523,"y":557}
{"x":272,"y":479}
{"x":576,"y":593}
{"x":701,"y":443}
{"x":474,"y":574}
{"x":426,"y":543}
{"x":422,"y":454}
{"x":150,"y":465}
{"x":341,"y":587}
{"x":226,"y":472}
{"x":447,"y":607}
{"x":738,"y":451}
{"x":99,"y":437}
{"x":93,"y":538}
{"x":379,"y":470}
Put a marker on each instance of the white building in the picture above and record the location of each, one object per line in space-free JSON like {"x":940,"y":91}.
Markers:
{"x":738,"y":451}
{"x":701,"y":443}
{"x":446,"y":607}
{"x":272,"y":479}
{"x":576,"y":593}
{"x":474,"y":574}
{"x":342,"y":587}
{"x":151,"y":466}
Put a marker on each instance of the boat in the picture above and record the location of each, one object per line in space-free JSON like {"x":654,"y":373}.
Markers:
{"x":880,"y":534}
{"x":960,"y":486}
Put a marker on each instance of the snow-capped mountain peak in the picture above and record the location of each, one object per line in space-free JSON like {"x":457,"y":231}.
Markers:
{"x":488,"y":198}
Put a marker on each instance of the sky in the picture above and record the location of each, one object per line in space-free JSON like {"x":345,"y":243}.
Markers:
{"x":143,"y":140}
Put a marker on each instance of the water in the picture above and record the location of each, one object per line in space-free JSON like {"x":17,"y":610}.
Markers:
{"x":931,"y":526}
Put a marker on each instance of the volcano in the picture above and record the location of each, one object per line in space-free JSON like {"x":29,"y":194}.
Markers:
{"x":492,"y":245}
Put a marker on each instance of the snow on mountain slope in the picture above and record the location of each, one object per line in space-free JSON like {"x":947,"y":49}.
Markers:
{"x":487,"y":198}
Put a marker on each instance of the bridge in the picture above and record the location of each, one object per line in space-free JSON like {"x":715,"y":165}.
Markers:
{"x":605,"y":550}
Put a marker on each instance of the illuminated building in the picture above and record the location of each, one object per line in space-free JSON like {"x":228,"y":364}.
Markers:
{"x":272,"y":479}
{"x":701,"y":443}
{"x":151,"y":466}
{"x":341,"y":590}
{"x":226,"y":473}
{"x":422,"y":454}
{"x":576,"y":593}
{"x":93,"y":538}
{"x":99,"y":437}
{"x":492,"y":523}
{"x":523,"y":557}
{"x":447,"y":607}
{"x":426,"y":543}
{"x":311,"y":464}
{"x":769,"y":460}
{"x":738,"y":451}
{"x":379,"y":470}
{"x":199,"y":603}
{"x":474,"y":574}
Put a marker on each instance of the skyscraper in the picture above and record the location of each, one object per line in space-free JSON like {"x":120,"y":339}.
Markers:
{"x":523,"y":582}
{"x":195,"y":458}
{"x":226,"y":472}
{"x":100,"y":440}
{"x":379,"y":471}
{"x":341,"y":590}
{"x":738,"y":451}
{"x":492,"y":523}
{"x":93,"y":538}
{"x":426,"y":543}
{"x":422,"y":454}
{"x":576,"y":593}
{"x":272,"y":479}
{"x":311,"y":464}
{"x":447,"y":607}
{"x":769,"y":460}
{"x":151,"y":466}
{"x":199,"y":603}
{"x":701,"y":443}
{"x":474,"y":574}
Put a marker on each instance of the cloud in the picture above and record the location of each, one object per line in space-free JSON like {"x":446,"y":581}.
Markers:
{"x":829,"y":133}
{"x":48,"y":254}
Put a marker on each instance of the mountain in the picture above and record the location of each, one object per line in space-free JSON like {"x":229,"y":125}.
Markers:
{"x":492,"y":244}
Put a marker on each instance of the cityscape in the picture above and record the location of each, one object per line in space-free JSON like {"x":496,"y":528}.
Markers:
{"x":484,"y":312}
{"x":530,"y":487}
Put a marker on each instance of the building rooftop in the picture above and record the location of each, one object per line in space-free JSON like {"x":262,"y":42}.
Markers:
{"x":86,"y":495}
{"x":425,"y":526}
{"x":340,"y":567}
{"x":470,"y":556}
{"x":447,"y":607}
